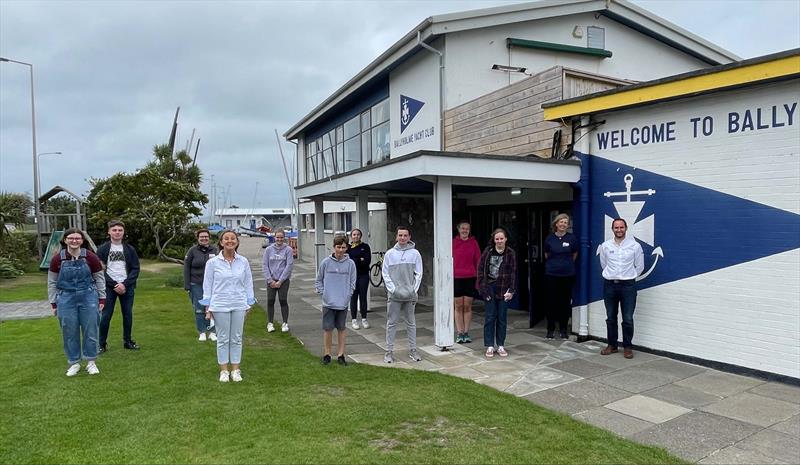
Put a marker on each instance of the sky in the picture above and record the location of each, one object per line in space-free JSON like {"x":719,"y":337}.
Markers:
{"x":108,"y":76}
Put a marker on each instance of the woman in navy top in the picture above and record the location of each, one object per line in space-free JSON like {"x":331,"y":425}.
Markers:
{"x":560,"y":251}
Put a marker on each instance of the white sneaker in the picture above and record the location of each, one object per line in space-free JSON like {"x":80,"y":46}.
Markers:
{"x":212,"y":336}
{"x":388,"y":357}
{"x":501,"y":351}
{"x":236,"y":376}
{"x":270,"y":327}
{"x":490,"y":351}
{"x":355,"y":324}
{"x":92,"y":369}
{"x":73,"y":369}
{"x":224,"y":376}
{"x":414,"y":356}
{"x":364,"y":323}
{"x":202,"y":337}
{"x":285,"y":328}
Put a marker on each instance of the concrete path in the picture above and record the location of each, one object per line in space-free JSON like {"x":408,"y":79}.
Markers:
{"x":699,"y":414}
{"x":702,"y":415}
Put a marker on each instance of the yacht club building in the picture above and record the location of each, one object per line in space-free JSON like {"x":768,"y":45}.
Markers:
{"x":447,"y":124}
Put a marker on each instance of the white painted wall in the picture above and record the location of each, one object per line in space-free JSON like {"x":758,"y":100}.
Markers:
{"x":417,"y":78}
{"x":471,"y":54}
{"x":747,"y":314}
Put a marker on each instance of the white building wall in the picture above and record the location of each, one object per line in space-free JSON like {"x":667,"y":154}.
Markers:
{"x":418,"y":79}
{"x":747,"y":314}
{"x":471,"y":54}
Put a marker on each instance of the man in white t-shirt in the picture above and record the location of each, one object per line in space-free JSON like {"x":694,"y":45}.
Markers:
{"x":122,"y":270}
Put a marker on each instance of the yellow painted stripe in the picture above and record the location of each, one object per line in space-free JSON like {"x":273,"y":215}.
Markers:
{"x":783,"y":67}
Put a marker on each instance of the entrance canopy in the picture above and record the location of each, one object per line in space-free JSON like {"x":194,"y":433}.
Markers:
{"x":414,"y":174}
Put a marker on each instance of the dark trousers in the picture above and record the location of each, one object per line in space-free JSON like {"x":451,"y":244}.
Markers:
{"x":559,"y":302}
{"x":283,"y":294}
{"x":360,"y":296}
{"x":126,"y":305}
{"x":619,"y":295}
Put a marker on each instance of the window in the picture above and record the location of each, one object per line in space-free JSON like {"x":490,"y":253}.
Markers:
{"x":309,"y":221}
{"x":346,"y":221}
{"x":361,"y":140}
{"x":328,"y":221}
{"x":596,"y":37}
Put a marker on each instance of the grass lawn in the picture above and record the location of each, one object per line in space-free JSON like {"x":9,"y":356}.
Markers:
{"x":164,"y":404}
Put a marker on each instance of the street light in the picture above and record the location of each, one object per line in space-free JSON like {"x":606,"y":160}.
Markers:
{"x":35,"y":167}
{"x":39,"y":170}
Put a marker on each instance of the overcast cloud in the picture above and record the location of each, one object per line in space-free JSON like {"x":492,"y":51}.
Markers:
{"x":109,"y":75}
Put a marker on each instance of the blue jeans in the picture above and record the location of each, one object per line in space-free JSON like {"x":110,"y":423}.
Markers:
{"x":360,"y":295}
{"x":495,"y":322}
{"x":126,"y":305}
{"x":195,"y":294}
{"x":78,"y":310}
{"x":619,"y":295}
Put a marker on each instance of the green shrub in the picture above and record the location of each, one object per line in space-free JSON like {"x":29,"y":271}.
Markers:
{"x":18,"y":247}
{"x":174,"y":281}
{"x":9,"y":268}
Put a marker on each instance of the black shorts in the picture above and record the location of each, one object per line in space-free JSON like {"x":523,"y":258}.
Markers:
{"x":333,"y":318}
{"x":464,"y":287}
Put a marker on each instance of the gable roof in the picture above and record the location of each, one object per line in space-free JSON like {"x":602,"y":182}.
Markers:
{"x":433,"y":27}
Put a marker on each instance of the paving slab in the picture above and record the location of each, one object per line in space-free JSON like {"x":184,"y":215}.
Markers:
{"x":773,"y":444}
{"x":25,"y":310}
{"x":635,"y":379}
{"x":499,"y":382}
{"x":618,"y":361}
{"x":734,"y":455}
{"x":560,"y":401}
{"x":622,"y":425}
{"x":778,"y":391}
{"x":752,"y":408}
{"x":719,"y":383}
{"x":549,"y":377}
{"x":696,"y":435}
{"x":495,"y":367}
{"x":675,"y":368}
{"x":683,"y":396}
{"x":463,"y":372}
{"x":790,"y":426}
{"x":583,"y":368}
{"x":596,"y":394}
{"x":647,"y":408}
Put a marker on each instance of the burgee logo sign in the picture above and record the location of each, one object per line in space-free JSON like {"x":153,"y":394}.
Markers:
{"x":684,"y":229}
{"x":409,"y":108}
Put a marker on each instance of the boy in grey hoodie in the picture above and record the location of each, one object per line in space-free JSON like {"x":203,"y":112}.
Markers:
{"x":402,"y":273}
{"x":336,"y":280}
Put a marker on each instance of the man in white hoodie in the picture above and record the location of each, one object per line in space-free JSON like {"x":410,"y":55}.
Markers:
{"x":402,"y":273}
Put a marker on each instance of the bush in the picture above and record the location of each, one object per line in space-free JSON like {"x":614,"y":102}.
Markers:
{"x":174,"y":281}
{"x":17,"y":248}
{"x":9,"y":268}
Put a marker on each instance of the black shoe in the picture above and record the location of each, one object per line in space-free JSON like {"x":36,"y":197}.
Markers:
{"x":131,"y":345}
{"x":341,"y":360}
{"x":550,"y":335}
{"x":564,"y":335}
{"x":103,"y":348}
{"x":326,"y":359}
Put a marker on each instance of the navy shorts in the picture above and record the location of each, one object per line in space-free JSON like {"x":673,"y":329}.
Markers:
{"x":333,"y":318}
{"x":464,"y":287}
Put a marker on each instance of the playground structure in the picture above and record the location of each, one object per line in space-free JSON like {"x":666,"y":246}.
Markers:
{"x":50,"y":227}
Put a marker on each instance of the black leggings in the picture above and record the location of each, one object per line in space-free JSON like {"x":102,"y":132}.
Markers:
{"x":282,"y":293}
{"x":559,"y":301}
{"x":360,"y":294}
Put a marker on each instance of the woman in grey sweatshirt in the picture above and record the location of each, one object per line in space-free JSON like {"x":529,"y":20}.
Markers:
{"x":277,"y":266}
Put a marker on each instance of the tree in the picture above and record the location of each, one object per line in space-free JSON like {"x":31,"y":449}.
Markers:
{"x":155,"y":202}
{"x":14,"y":209}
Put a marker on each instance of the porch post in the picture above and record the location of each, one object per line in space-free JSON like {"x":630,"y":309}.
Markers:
{"x":319,"y":231}
{"x":443,"y":262}
{"x":362,"y":215}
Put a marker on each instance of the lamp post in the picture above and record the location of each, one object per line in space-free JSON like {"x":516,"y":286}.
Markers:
{"x":39,"y":170}
{"x":35,"y":164}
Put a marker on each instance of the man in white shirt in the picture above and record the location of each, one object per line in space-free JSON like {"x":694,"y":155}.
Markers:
{"x":622,"y":260}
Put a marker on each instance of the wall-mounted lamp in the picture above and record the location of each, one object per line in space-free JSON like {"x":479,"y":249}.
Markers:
{"x":516,"y":191}
{"x":509,"y":69}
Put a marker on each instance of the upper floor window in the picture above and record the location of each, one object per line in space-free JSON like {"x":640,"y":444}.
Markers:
{"x":360,"y":141}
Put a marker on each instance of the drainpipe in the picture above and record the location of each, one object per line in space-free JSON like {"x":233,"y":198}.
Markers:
{"x":583,"y":147}
{"x":441,"y":86}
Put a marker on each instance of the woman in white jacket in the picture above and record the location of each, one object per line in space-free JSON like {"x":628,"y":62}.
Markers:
{"x":227,"y":296}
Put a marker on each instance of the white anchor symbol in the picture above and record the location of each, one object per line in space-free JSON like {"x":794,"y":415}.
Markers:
{"x":629,"y":211}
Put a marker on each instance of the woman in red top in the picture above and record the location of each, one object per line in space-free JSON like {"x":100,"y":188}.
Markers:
{"x":466,"y":254}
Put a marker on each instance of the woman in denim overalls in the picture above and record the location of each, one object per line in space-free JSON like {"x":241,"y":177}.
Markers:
{"x":76,"y":290}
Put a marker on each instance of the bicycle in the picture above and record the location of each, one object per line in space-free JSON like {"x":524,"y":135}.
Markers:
{"x":376,"y":270}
